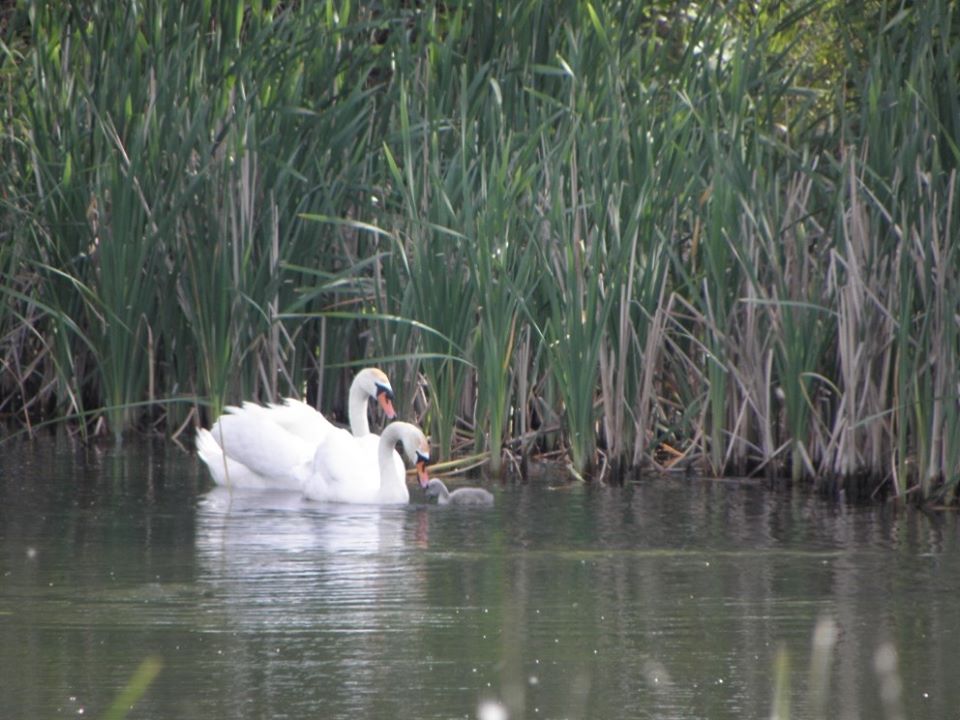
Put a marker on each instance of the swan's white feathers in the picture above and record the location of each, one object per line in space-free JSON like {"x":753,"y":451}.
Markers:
{"x":346,"y":470}
{"x":251,"y":445}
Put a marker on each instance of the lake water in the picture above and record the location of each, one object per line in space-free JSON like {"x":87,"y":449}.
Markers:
{"x":669,"y":598}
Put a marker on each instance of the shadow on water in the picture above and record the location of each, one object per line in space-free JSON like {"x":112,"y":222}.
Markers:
{"x":666,"y":598}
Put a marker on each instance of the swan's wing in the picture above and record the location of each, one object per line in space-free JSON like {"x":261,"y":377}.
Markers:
{"x":298,"y":418}
{"x":263,"y":447}
{"x":227,"y":471}
{"x":210,"y":453}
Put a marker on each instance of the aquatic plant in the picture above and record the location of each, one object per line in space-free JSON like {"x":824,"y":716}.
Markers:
{"x":643,"y":236}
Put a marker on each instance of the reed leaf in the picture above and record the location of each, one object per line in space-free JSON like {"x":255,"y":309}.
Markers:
{"x":641,"y":235}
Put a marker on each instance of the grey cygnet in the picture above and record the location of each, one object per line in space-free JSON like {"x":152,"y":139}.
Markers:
{"x":461,"y":496}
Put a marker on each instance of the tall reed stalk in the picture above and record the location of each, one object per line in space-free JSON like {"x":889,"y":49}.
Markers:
{"x":644,"y":235}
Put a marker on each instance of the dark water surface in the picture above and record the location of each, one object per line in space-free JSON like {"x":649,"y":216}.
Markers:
{"x":671,"y":598}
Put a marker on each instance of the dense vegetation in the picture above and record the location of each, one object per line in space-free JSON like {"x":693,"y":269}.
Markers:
{"x":702,"y":233}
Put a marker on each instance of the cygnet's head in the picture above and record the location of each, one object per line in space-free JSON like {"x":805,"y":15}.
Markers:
{"x":435,"y":488}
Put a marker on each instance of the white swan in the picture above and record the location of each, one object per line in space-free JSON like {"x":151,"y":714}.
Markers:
{"x":460,"y":496}
{"x":342,"y":473}
{"x":273,"y":447}
{"x":297,"y":417}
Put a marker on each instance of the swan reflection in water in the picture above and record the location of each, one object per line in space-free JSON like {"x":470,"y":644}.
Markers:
{"x":305,"y":599}
{"x":276,"y":558}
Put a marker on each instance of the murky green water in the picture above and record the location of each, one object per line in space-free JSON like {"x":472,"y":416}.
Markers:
{"x":667,"y":599}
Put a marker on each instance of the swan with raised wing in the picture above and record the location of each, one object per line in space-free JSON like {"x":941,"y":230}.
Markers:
{"x":273,"y":447}
{"x":344,"y":472}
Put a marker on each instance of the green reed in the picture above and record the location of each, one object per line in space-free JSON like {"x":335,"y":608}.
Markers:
{"x":894,"y":224}
{"x":164,"y":191}
{"x":502,"y":263}
{"x":645,"y":228}
{"x":433,"y":286}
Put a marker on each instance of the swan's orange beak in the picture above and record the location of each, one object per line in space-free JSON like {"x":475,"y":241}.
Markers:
{"x":385,"y":400}
{"x":422,"y":473}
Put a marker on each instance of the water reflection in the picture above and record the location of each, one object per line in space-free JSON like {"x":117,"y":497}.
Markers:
{"x":260,"y":551}
{"x":317,"y":591}
{"x":665,"y":599}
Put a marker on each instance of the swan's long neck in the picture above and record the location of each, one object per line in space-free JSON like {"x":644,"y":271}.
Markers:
{"x":388,"y":441}
{"x":357,"y":411}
